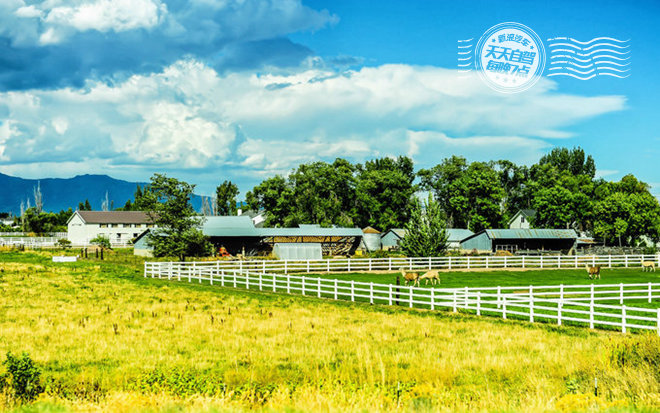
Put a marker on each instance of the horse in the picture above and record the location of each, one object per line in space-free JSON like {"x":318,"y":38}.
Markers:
{"x":409,"y":276}
{"x":648,"y":264}
{"x":594,"y":272}
{"x":430,"y":275}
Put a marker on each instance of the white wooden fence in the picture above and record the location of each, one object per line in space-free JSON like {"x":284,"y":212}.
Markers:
{"x":558,"y":304}
{"x":393,"y":264}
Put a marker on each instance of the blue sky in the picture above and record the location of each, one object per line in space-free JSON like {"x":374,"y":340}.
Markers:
{"x":207,"y":90}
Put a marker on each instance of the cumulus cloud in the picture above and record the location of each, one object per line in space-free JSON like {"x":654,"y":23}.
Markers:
{"x":52,"y":44}
{"x":191,"y":118}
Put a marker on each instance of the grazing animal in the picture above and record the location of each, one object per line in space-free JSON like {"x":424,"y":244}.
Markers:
{"x":409,"y":276}
{"x":594,"y":272}
{"x":648,"y":264}
{"x":430,"y":275}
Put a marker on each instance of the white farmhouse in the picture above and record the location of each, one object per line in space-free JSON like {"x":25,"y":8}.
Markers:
{"x":118,"y":226}
{"x":522,"y":219}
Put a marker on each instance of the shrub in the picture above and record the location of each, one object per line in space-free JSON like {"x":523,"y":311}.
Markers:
{"x":636,"y":351}
{"x":22,"y":378}
{"x":101,"y":241}
{"x":64,"y":243}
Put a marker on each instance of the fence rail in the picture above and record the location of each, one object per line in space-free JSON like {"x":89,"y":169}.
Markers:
{"x":393,"y":264}
{"x":558,"y":304}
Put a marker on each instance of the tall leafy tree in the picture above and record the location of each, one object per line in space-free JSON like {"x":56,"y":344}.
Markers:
{"x":226,"y":194}
{"x":178,"y":232}
{"x":275,"y":196}
{"x":426,"y":231}
{"x":384,"y":192}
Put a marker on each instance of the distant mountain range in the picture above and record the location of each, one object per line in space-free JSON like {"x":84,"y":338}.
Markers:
{"x":59,"y":193}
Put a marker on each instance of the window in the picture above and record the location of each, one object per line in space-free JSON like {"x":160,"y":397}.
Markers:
{"x":150,"y":225}
{"x":114,"y":225}
{"x":522,"y":219}
{"x":103,"y":225}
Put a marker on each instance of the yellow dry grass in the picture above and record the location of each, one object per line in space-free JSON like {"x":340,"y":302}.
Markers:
{"x":109,"y":340}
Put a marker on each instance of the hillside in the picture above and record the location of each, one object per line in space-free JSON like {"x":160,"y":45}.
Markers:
{"x":63,"y":193}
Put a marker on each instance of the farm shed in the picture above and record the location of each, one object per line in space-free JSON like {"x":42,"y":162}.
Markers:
{"x":522,"y":219}
{"x":393,"y":237}
{"x":298,"y":251}
{"x":371,"y":239}
{"x":140,"y":246}
{"x":491,"y":240}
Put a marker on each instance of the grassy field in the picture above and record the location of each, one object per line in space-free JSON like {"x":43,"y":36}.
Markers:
{"x":108,"y":339}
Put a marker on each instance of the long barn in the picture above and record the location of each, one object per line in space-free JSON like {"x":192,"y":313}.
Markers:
{"x":513,"y":240}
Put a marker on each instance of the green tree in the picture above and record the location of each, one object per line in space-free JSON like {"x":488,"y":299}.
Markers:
{"x":384,"y":192}
{"x":426,"y":231}
{"x":275,"y":196}
{"x":178,"y":232}
{"x":226,"y":194}
{"x":84,"y":206}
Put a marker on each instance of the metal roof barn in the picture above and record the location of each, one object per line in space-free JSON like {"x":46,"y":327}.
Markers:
{"x":520,"y":239}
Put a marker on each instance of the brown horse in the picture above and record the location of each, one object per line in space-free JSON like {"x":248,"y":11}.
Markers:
{"x":594,"y":272}
{"x":409,"y":276}
{"x":431,"y":275}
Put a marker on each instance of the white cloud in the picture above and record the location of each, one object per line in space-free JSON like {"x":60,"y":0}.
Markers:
{"x":189,"y":118}
{"x":106,"y":15}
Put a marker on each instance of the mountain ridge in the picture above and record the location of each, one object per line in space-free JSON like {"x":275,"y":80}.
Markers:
{"x":64,"y":193}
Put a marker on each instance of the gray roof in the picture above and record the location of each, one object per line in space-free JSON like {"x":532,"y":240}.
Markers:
{"x":453,"y":234}
{"x":114,"y":217}
{"x":229,"y":226}
{"x":528,"y":234}
{"x":242,"y":226}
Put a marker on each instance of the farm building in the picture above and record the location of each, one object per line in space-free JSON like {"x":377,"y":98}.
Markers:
{"x":370,"y":239}
{"x":238,"y":235}
{"x":392,"y":238}
{"x":522,"y":219}
{"x":492,"y":240}
{"x":119,"y":227}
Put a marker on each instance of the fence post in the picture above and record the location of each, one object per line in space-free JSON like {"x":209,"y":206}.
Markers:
{"x":260,"y":283}
{"x":274,"y":277}
{"x":468,"y":262}
{"x":621,"y":293}
{"x":523,"y":261}
{"x":650,"y":295}
{"x":410,"y":261}
{"x":658,"y":322}
{"x":499,"y":296}
{"x":222,"y":278}
{"x":455,"y":302}
{"x":411,"y":296}
{"x":576,"y":261}
{"x":145,"y":270}
{"x":389,"y":296}
{"x":478,"y":303}
{"x":432,"y":298}
{"x":560,"y":304}
{"x":625,"y":259}
{"x":466,"y":297}
{"x":369,"y":263}
{"x":389,"y":268}
{"x":531,"y":302}
{"x":592,"y":293}
{"x":318,"y":285}
{"x":352,"y":290}
{"x":240,"y":266}
{"x":247,"y":281}
{"x":328,"y":262}
{"x":288,"y":282}
{"x":504,"y":307}
{"x":623,"y":319}
{"x":303,"y":285}
{"x":558,"y":261}
{"x":486,"y":262}
{"x":285,"y":269}
{"x":211,"y":277}
{"x":541,"y":261}
{"x":371,"y":290}
{"x":609,"y":261}
{"x":178,"y":273}
{"x":561,"y":292}
{"x":591,"y":313}
{"x":189,"y":275}
{"x":450,"y":262}
{"x":335,"y":289}
{"x":263,"y":266}
{"x":234,"y":278}
{"x":348,"y":265}
{"x":430,"y":263}
{"x":505,"y":266}
{"x":308,"y":266}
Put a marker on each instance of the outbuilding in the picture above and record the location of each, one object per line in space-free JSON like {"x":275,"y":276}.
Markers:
{"x":514,"y":240}
{"x":392,"y":238}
